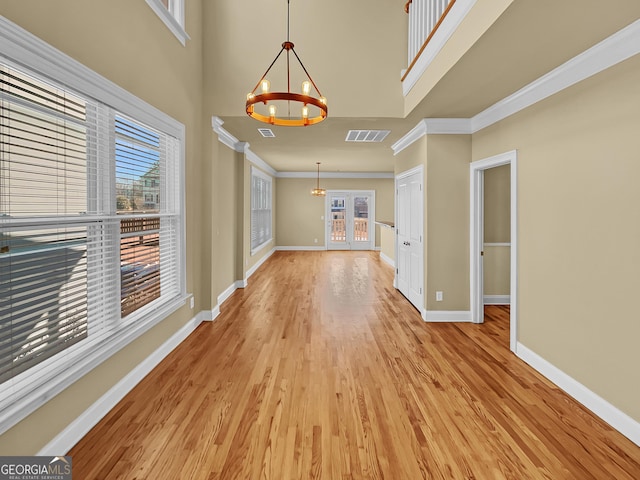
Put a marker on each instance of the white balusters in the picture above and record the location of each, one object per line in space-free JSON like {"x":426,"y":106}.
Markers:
{"x":424,"y":15}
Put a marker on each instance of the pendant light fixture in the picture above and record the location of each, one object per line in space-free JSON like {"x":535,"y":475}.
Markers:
{"x":287,"y":109}
{"x":318,"y":192}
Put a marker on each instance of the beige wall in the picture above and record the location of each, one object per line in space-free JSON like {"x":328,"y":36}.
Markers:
{"x":412,"y":156}
{"x":497,"y":229}
{"x":388,"y":242}
{"x":446,"y":216}
{"x":299,"y":222}
{"x":447,"y":221}
{"x":497,"y":204}
{"x":136,"y":51}
{"x":227,"y":206}
{"x":578,"y":229}
{"x":496,"y":265}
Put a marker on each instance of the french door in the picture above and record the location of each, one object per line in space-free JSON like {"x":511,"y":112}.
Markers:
{"x":350,"y":216}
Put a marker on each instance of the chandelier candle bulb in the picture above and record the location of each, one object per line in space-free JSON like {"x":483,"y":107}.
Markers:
{"x":306,"y":88}
{"x":272,"y":110}
{"x":305,"y":112}
{"x":265,"y":86}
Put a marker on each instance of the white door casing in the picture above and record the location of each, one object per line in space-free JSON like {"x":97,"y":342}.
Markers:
{"x":409,"y":236}
{"x":476,"y":241}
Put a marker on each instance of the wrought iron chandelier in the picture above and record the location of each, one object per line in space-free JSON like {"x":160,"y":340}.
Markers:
{"x":318,"y":192}
{"x":275,"y":108}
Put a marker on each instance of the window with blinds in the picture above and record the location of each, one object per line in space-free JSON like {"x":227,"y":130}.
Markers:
{"x":260,"y":209}
{"x":90,"y":225}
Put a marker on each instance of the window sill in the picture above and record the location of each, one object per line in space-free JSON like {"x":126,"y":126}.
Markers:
{"x":260,"y":247}
{"x":16,"y":404}
{"x":169,"y":20}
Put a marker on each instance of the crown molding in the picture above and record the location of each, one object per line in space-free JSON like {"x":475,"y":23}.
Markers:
{"x":223,"y":136}
{"x":233,"y":143}
{"x":416,"y":133}
{"x":448,"y":126}
{"x":620,"y":46}
{"x":433,"y":126}
{"x":256,"y":160}
{"x":335,"y":174}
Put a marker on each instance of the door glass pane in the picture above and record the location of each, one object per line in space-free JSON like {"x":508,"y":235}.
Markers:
{"x":361,"y":219}
{"x":338,"y":221}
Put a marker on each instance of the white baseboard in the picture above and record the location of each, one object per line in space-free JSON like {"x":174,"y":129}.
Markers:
{"x":73,"y":433}
{"x":241,"y":283}
{"x":388,"y":260}
{"x":497,"y":299}
{"x":446,"y":316}
{"x":227,"y":293}
{"x":293,"y":249}
{"x":253,"y":269}
{"x":619,"y":420}
{"x":377,"y":249}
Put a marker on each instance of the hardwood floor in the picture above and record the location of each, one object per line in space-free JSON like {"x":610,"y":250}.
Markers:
{"x":320,"y":369}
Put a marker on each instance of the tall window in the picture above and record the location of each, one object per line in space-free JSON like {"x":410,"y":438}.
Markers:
{"x":171,"y":12}
{"x":90,"y":229}
{"x":260,"y":209}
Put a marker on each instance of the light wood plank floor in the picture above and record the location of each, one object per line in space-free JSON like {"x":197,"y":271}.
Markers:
{"x":319,"y":369}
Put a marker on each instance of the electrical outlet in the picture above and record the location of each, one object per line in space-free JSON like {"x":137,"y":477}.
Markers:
{"x":193,"y":302}
{"x":315,"y":240}
{"x":438,"y":296}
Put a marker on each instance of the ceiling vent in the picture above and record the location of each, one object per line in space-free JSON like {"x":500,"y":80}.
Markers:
{"x":367,"y":135}
{"x":267,"y":132}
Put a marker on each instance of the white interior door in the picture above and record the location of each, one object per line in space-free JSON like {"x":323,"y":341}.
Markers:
{"x":350,"y":220}
{"x":409,"y":237}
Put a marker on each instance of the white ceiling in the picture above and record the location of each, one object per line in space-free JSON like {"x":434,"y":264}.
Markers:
{"x":355,"y":51}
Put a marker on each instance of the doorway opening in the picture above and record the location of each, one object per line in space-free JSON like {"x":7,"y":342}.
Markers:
{"x":477,"y":240}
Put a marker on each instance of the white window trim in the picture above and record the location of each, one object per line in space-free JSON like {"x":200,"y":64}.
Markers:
{"x":23,"y":48}
{"x":174,"y":22}
{"x":259,"y":173}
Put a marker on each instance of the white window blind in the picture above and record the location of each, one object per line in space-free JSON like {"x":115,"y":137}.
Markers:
{"x":43,"y":245}
{"x":90,"y":231}
{"x":148,"y":234}
{"x":260,"y":209}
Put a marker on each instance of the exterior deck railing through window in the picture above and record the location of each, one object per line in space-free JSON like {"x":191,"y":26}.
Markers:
{"x":360,"y":230}
{"x":425,"y":16}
